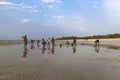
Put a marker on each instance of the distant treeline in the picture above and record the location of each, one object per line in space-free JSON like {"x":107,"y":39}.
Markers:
{"x":116,"y":35}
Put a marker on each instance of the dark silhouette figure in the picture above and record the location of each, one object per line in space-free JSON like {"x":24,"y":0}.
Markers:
{"x":60,"y":45}
{"x":25,"y":40}
{"x":49,"y":40}
{"x":97,"y":46}
{"x":67,"y":43}
{"x":82,"y":43}
{"x":74,"y":42}
{"x":43,"y":42}
{"x":53,"y":42}
{"x":97,"y":42}
{"x":38,"y":43}
{"x":32,"y":44}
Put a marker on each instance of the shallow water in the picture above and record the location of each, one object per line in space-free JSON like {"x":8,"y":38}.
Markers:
{"x":65,"y":63}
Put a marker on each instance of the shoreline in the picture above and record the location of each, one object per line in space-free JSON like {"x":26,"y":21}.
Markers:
{"x":113,"y":43}
{"x":10,"y":42}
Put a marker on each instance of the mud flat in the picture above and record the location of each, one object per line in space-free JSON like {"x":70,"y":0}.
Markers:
{"x":82,"y":62}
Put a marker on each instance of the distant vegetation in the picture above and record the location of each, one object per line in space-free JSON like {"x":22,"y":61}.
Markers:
{"x":116,"y":35}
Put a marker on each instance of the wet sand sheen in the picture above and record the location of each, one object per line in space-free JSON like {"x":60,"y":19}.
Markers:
{"x":47,"y":74}
{"x":84,"y":64}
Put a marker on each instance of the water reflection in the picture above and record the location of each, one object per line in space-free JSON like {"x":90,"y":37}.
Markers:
{"x":43,"y":50}
{"x":51,"y":50}
{"x":63,"y":65}
{"x":60,"y":45}
{"x":38,"y":43}
{"x":32,"y":44}
{"x":32,"y":47}
{"x":97,"y":49}
{"x":25,"y":52}
{"x":74,"y":49}
{"x":67,"y":44}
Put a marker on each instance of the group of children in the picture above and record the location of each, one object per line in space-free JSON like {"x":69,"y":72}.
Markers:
{"x":43,"y":42}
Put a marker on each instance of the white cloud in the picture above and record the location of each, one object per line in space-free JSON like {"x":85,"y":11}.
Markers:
{"x":51,"y":6}
{"x":51,"y":1}
{"x":58,"y":17}
{"x":34,"y":11}
{"x":21,"y":6}
{"x":77,"y":23}
{"x":112,"y":7}
{"x":25,"y":21}
{"x":6,"y":3}
{"x":59,"y":1}
{"x":71,"y":23}
{"x":48,"y":1}
{"x":112,"y":10}
{"x":26,"y":7}
{"x":14,"y":5}
{"x":81,"y":29}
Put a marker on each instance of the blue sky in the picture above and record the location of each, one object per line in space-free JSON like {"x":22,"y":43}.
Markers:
{"x":56,"y":18}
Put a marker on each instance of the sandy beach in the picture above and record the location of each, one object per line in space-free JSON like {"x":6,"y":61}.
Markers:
{"x":82,"y":62}
{"x":110,"y":43}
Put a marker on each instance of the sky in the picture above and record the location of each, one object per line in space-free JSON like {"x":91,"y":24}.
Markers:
{"x":57,"y":18}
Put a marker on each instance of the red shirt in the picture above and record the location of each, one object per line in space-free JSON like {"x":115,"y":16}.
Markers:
{"x":25,"y":40}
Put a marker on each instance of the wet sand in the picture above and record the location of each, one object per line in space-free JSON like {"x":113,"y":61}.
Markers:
{"x":65,"y":63}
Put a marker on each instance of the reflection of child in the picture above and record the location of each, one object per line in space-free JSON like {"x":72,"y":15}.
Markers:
{"x":49,"y":50}
{"x":25,"y":53}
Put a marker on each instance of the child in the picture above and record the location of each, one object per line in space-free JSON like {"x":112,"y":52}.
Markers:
{"x":25,"y":40}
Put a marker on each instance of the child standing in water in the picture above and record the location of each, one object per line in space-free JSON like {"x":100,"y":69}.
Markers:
{"x":49,"y":40}
{"x":53,"y":41}
{"x":25,"y":40}
{"x":74,"y":42}
{"x":38,"y":43}
{"x":43,"y":43}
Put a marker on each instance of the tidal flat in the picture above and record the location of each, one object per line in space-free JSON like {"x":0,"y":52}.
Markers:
{"x":81,"y":62}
